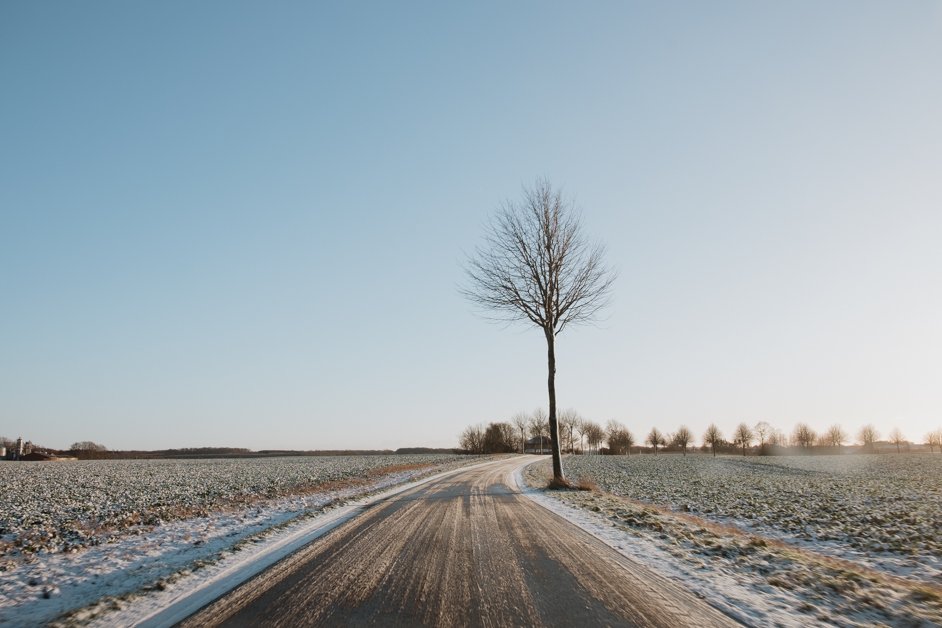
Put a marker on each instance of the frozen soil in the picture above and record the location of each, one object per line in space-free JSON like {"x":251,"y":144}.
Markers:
{"x":739,"y":531}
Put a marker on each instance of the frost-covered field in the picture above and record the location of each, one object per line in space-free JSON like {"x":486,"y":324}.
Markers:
{"x":72,"y":533}
{"x":56,"y":507}
{"x":847,"y":541}
{"x":882,"y":510}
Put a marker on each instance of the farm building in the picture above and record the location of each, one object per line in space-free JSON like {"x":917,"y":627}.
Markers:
{"x":538,"y":445}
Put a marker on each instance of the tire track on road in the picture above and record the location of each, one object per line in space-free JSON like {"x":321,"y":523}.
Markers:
{"x":465,"y":550}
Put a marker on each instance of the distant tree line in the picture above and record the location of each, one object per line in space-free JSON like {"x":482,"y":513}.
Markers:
{"x":87,"y":445}
{"x":576,"y":434}
{"x":584,"y":436}
{"x":90,"y":450}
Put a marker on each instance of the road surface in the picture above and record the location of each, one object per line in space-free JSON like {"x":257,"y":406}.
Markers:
{"x":464,"y":550}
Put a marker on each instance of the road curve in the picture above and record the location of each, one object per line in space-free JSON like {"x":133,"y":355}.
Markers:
{"x":464,"y":550}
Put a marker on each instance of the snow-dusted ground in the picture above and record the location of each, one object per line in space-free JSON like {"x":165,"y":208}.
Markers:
{"x":60,"y":507}
{"x":161,"y":570}
{"x":122,"y":575}
{"x":883,"y":511}
{"x":756,"y":578}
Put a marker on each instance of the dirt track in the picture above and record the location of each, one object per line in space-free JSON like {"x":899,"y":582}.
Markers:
{"x":465,"y":550}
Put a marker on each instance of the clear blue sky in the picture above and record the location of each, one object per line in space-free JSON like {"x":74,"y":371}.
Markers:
{"x":228,"y":223}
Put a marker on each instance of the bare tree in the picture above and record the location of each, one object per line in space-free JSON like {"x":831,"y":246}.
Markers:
{"x":897,"y":438}
{"x":578,"y":427}
{"x":612,"y":429}
{"x":683,"y":438}
{"x":763,"y":432}
{"x":835,"y":436}
{"x":537,"y":267}
{"x":934,"y":439}
{"x":628,"y":440}
{"x":87,"y":445}
{"x":620,"y":438}
{"x":539,"y":426}
{"x":655,"y":438}
{"x":868,"y":436}
{"x":567,"y":427}
{"x":575,"y":426}
{"x":743,"y":437}
{"x":564,"y":432}
{"x":713,"y":437}
{"x":499,"y":438}
{"x":594,"y":433}
{"x":521,"y":421}
{"x":472,"y":439}
{"x":803,"y":436}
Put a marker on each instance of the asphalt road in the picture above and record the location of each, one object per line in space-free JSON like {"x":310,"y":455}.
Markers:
{"x":464,"y":550}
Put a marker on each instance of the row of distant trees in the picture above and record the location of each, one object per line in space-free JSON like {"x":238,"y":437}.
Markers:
{"x":578,"y":434}
{"x":87,"y":445}
{"x":84,"y":445}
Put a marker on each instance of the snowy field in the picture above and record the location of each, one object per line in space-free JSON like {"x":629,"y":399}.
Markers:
{"x":844,"y":540}
{"x":882,"y":510}
{"x":91,"y":534}
{"x":61,"y":507}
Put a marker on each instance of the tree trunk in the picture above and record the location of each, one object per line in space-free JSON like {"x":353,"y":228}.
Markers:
{"x":551,"y":386}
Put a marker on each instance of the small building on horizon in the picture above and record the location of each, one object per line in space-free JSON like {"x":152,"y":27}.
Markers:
{"x":538,"y":445}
